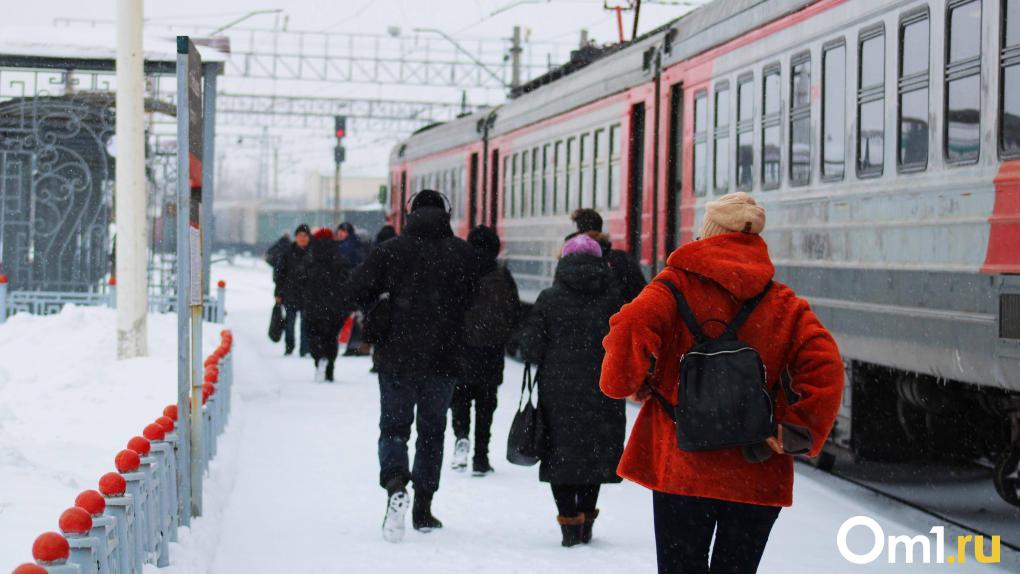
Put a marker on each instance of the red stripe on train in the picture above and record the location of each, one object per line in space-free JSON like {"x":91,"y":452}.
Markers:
{"x":1004,"y":235}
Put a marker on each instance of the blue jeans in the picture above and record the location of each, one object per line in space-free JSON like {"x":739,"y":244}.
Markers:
{"x":398,"y":397}
{"x":288,"y":326}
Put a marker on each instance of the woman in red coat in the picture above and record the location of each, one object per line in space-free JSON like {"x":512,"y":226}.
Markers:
{"x":735,"y":493}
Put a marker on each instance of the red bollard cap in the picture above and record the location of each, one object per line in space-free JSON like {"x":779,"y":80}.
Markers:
{"x":75,"y":521}
{"x":227,"y":334}
{"x":211,"y":361}
{"x":112,"y":484}
{"x":3,"y":278}
{"x":27,"y":568}
{"x":208,"y":390}
{"x":221,"y":284}
{"x":140,"y":444}
{"x":170,"y":412}
{"x":91,"y":501}
{"x":166,"y":423}
{"x":112,"y":282}
{"x":127,"y":461}
{"x":51,"y":548}
{"x":212,"y":375}
{"x":154,"y":432}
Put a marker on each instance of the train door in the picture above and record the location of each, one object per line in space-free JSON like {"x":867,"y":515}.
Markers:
{"x":636,"y":178}
{"x":674,"y":168}
{"x":472,"y":205}
{"x":494,"y":190}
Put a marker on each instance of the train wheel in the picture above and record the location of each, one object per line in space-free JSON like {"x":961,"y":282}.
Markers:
{"x":1007,"y":483}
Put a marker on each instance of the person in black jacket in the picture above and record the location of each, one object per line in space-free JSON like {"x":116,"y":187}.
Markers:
{"x":489,"y":323}
{"x":626,"y":271}
{"x":327,"y":271}
{"x":275,"y":252}
{"x":429,"y":276}
{"x":584,"y":428}
{"x":290,"y":276}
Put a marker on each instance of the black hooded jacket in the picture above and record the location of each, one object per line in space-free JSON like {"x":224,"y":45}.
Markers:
{"x":291,"y":276}
{"x":429,"y":276}
{"x":563,"y":336}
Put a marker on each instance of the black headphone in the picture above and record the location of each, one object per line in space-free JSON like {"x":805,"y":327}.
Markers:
{"x":447,"y":206}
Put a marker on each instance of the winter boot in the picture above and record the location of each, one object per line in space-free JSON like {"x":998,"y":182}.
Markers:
{"x":589,"y":521}
{"x":329,"y":371}
{"x":571,"y":527}
{"x":461,"y":450}
{"x":421,"y":513}
{"x":320,"y":371}
{"x":481,"y":466}
{"x":396,"y":508}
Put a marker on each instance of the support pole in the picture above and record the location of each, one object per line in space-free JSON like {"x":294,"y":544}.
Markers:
{"x":637,"y":16}
{"x":209,"y":73}
{"x":130,"y":193}
{"x":336,"y":197}
{"x":515,"y":53}
{"x":183,"y":288}
{"x":619,"y":23}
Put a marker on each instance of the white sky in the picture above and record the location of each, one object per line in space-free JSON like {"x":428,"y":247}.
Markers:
{"x":542,"y":20}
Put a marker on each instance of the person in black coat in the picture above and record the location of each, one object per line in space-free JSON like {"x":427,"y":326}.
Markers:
{"x":584,"y":429}
{"x":275,"y":252}
{"x":625,"y":269}
{"x":327,"y":271}
{"x":290,"y":276}
{"x":489,"y":323}
{"x":428,"y":276}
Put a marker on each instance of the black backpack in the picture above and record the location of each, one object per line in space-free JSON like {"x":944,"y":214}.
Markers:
{"x":722,"y":398}
{"x":491,"y":315}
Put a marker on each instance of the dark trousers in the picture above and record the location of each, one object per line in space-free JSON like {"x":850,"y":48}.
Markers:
{"x":291,"y":320}
{"x":399,"y":396}
{"x":684,"y":527}
{"x":572,"y":499}
{"x":484,"y":397}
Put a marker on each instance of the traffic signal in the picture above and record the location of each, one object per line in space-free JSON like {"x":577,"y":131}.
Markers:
{"x":340,"y":126}
{"x":339,"y":154}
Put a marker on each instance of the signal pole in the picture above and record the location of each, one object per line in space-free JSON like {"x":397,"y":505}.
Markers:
{"x":339,"y":155}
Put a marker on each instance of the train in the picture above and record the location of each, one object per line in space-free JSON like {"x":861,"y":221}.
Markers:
{"x":882,"y":137}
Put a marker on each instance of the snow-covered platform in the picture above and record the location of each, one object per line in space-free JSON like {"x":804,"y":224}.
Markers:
{"x":295,"y":485}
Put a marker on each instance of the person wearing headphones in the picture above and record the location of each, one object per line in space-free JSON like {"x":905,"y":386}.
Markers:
{"x":429,"y":277}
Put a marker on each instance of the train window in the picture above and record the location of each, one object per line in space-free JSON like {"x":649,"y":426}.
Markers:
{"x":536,"y":183}
{"x":871,"y":103}
{"x":721,"y":149}
{"x":614,"y":166}
{"x":524,"y":184}
{"x":557,"y":169}
{"x":507,"y":186}
{"x":963,"y":82}
{"x":601,"y":160}
{"x":800,"y":119}
{"x":912,"y":137}
{"x":700,"y":143}
{"x":587,"y":190}
{"x":745,"y":133}
{"x":770,"y":131}
{"x":547,"y":175}
{"x":515,"y":185}
{"x":572,"y":199}
{"x":834,"y":111}
{"x":1009,"y":96}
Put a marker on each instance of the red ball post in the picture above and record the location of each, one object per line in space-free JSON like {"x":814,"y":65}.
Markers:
{"x":27,"y":568}
{"x":75,"y":521}
{"x":112,"y":484}
{"x":127,"y":461}
{"x":154,"y":432}
{"x":166,"y":423}
{"x":170,"y":412}
{"x":51,"y":548}
{"x":91,"y":501}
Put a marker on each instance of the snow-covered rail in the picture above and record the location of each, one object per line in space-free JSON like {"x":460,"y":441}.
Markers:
{"x":133,"y":517}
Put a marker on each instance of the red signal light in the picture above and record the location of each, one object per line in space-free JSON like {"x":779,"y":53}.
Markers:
{"x":340,"y":133}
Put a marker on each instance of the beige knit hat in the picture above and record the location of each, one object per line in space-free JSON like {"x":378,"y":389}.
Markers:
{"x":730,"y":213}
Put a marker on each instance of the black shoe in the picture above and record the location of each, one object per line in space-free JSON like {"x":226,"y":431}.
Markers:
{"x":288,"y":351}
{"x":481,"y":467}
{"x":421,"y":513}
{"x":572,"y":529}
{"x":589,"y":522}
{"x":329,"y":371}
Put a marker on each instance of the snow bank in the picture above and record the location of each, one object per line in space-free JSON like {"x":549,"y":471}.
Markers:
{"x":67,"y":406}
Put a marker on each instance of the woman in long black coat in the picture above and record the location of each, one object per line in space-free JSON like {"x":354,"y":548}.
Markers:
{"x":327,"y":272}
{"x":585,"y":430}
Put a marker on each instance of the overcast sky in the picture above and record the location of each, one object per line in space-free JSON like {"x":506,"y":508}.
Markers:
{"x":542,"y":20}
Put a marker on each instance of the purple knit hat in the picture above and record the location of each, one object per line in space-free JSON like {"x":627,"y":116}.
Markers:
{"x":582,"y":244}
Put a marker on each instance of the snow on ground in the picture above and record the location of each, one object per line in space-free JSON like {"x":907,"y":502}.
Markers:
{"x":295,"y":485}
{"x":67,"y":406}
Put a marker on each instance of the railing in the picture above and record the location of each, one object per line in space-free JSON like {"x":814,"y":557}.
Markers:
{"x":51,"y":302}
{"x":133,"y":517}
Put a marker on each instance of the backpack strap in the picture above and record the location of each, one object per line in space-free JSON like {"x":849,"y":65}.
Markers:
{"x":685,"y":311}
{"x":744,"y":313}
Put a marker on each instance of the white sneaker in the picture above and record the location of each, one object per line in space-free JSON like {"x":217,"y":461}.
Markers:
{"x":320,"y":371}
{"x":461,"y":451}
{"x":393,"y":523}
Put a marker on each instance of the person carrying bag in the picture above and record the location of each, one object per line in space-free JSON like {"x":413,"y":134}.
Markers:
{"x":526,"y":442}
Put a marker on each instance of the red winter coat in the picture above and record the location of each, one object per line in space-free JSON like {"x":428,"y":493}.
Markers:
{"x":716,"y":275}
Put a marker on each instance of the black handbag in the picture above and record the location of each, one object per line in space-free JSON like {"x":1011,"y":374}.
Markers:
{"x":276,"y":323}
{"x":526,"y":443}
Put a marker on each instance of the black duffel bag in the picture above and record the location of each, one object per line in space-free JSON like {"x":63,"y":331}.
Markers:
{"x":526,"y":443}
{"x":277,"y":322}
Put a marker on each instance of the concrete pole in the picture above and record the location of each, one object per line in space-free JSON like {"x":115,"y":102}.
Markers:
{"x":132,"y":276}
{"x":515,"y":58}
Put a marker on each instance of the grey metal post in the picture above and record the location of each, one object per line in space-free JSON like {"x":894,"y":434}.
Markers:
{"x":210,"y":71}
{"x":183,"y":286}
{"x":3,"y":298}
{"x":515,"y":55}
{"x":221,"y":302}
